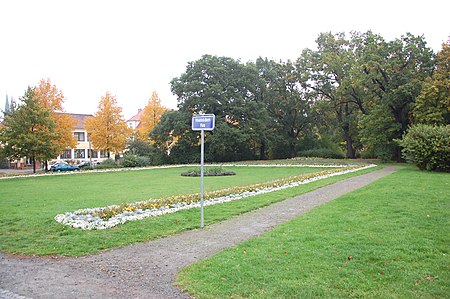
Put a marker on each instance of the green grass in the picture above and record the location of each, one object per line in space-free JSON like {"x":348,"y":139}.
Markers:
{"x":28,"y":206}
{"x":388,"y":240}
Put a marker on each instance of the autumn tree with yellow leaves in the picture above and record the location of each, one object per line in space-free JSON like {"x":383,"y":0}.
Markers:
{"x":107,"y":129}
{"x":52,"y":99}
{"x":151,"y":115}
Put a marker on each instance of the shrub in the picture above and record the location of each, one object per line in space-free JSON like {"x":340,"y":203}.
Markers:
{"x":427,"y":146}
{"x":143,"y":161}
{"x":108,"y":163}
{"x":323,"y":153}
{"x":210,"y":171}
{"x":129,"y":160}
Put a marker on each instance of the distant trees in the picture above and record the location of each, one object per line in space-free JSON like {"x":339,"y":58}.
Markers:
{"x":29,"y":131}
{"x":151,"y":115}
{"x":356,"y":92}
{"x":107,"y":128}
{"x":52,"y":99}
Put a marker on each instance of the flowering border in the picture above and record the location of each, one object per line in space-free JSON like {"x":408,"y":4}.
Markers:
{"x":111,"y":216}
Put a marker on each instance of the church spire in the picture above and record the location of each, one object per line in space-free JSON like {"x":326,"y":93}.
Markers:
{"x":7,"y":108}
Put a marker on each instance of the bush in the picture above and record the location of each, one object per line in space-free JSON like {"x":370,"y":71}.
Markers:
{"x":323,"y":153}
{"x":427,"y":146}
{"x":143,"y":161}
{"x":209,"y":171}
{"x":108,"y":163}
{"x":4,"y":164}
{"x":130,"y":160}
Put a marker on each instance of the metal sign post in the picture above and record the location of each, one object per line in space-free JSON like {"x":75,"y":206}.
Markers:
{"x":202,"y":123}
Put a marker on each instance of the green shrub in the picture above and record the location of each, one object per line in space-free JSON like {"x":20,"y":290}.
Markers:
{"x":108,"y":163}
{"x":323,"y":153}
{"x":129,"y":160}
{"x":427,"y":146}
{"x":143,"y":161}
{"x":4,"y":164}
{"x":209,"y":171}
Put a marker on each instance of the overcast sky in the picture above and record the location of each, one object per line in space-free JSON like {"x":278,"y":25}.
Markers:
{"x":131,"y":48}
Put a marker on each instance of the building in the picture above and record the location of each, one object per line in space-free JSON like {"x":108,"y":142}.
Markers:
{"x":84,"y":150}
{"x":135,"y":121}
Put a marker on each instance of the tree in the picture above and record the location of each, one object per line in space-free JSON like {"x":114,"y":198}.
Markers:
{"x":52,"y":99}
{"x":227,"y":88}
{"x":107,"y":129}
{"x":29,"y":131}
{"x":286,"y":101}
{"x":392,"y":73}
{"x":174,"y":139}
{"x":332,"y":73}
{"x":433,"y":104}
{"x":151,"y":115}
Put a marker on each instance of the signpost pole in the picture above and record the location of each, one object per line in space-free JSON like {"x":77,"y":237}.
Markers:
{"x":202,"y":123}
{"x":202,"y":185}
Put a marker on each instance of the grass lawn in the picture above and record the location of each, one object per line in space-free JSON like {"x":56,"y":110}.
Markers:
{"x":28,"y":206}
{"x":390,"y":239}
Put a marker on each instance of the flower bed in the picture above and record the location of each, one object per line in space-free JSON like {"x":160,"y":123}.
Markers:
{"x":110,"y":216}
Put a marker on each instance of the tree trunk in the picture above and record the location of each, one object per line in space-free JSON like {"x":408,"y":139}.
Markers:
{"x":262,"y":150}
{"x":292,"y":150}
{"x":349,"y":143}
{"x":398,"y":154}
{"x":33,"y":159}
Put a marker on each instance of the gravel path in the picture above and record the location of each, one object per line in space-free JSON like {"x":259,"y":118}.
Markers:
{"x":147,"y":270}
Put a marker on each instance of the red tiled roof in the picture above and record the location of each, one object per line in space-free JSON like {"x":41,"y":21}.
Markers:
{"x":137,"y":117}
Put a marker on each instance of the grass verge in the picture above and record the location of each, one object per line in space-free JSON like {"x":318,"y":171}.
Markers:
{"x":387,"y":240}
{"x":28,"y":205}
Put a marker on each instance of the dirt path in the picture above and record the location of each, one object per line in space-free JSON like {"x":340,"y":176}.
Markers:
{"x":147,"y":270}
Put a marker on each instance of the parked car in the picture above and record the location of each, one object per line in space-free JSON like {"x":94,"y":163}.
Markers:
{"x":84,"y":164}
{"x":50,"y":164}
{"x":63,"y":166}
{"x":87,"y":164}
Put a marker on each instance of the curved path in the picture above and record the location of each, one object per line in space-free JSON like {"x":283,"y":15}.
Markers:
{"x":147,"y":270}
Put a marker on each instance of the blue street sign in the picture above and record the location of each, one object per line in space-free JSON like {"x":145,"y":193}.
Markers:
{"x":203,"y":122}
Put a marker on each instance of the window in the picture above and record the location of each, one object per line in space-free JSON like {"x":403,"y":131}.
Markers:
{"x":79,"y":136}
{"x":92,"y":154}
{"x":67,"y":154}
{"x":104,"y":154}
{"x":79,"y":153}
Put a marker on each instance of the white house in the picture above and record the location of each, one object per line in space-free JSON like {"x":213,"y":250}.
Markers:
{"x":134,"y":122}
{"x":84,"y":150}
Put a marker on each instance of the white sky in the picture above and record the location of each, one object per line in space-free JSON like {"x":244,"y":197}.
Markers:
{"x":132,"y":47}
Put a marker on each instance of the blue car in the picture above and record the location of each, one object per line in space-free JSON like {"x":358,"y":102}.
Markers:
{"x":62,"y":166}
